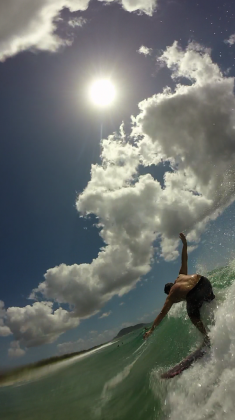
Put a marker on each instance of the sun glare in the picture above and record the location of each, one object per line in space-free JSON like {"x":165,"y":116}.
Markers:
{"x":102,"y":92}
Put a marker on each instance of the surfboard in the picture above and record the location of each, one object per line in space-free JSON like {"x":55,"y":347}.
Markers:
{"x":185,"y":363}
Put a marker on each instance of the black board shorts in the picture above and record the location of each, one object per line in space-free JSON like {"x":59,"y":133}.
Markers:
{"x":202,"y":292}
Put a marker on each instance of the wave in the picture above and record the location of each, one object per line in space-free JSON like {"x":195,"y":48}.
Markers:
{"x":125,"y":381}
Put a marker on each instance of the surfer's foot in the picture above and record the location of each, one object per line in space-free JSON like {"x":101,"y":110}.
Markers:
{"x":206,"y":341}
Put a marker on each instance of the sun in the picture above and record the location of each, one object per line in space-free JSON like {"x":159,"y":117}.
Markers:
{"x":102,"y":92}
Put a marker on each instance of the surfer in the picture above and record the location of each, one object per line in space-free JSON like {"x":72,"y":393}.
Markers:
{"x":194,"y":289}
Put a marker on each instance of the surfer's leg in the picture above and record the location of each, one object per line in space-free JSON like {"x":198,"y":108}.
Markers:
{"x":200,"y":293}
{"x":194,"y":315}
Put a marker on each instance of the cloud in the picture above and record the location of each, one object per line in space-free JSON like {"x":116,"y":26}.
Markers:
{"x":77,"y":22}
{"x":32,"y":24}
{"x":231,"y":40}
{"x":144,"y":318}
{"x":71,"y":346}
{"x":192,"y":128}
{"x":38,"y":324}
{"x":85,"y":344}
{"x":146,"y":6}
{"x":145,"y":50}
{"x":4,"y":330}
{"x":127,"y":229}
{"x":15,"y":350}
{"x":105,"y":314}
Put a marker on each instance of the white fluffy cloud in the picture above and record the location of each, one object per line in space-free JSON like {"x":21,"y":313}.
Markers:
{"x":71,"y":346}
{"x":105,"y":314}
{"x":31,"y":24}
{"x":145,"y":50}
{"x":15,"y":350}
{"x":95,"y":339}
{"x":127,"y":228}
{"x":231,"y":40}
{"x":146,"y":6}
{"x":192,"y":127}
{"x":38,"y":324}
{"x":4,"y":330}
{"x":77,"y":22}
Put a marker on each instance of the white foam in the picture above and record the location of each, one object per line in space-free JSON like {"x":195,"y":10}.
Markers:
{"x":110,"y":385}
{"x":140,"y":347}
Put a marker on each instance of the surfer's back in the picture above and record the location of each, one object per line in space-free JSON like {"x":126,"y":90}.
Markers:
{"x":182,"y":286}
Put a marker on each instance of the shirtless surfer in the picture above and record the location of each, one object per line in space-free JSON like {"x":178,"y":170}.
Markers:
{"x":194,"y":289}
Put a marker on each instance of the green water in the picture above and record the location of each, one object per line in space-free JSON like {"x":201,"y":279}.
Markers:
{"x":114,"y":382}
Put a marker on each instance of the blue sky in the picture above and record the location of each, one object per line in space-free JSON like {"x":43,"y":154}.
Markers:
{"x":51,"y":136}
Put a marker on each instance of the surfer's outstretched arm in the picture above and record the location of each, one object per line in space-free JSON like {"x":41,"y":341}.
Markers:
{"x":167,"y":306}
{"x":184,"y":259}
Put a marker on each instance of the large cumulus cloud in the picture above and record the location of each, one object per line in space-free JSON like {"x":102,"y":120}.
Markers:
{"x":31,"y":24}
{"x":128,"y":230}
{"x":38,"y":324}
{"x":192,"y":127}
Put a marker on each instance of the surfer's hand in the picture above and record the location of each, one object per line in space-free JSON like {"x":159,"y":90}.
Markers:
{"x":147,"y":334}
{"x":183,"y":238}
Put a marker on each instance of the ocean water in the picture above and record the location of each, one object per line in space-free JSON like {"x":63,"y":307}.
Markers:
{"x":124,"y":382}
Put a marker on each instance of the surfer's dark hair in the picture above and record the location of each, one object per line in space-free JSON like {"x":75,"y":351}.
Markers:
{"x":168,"y":287}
